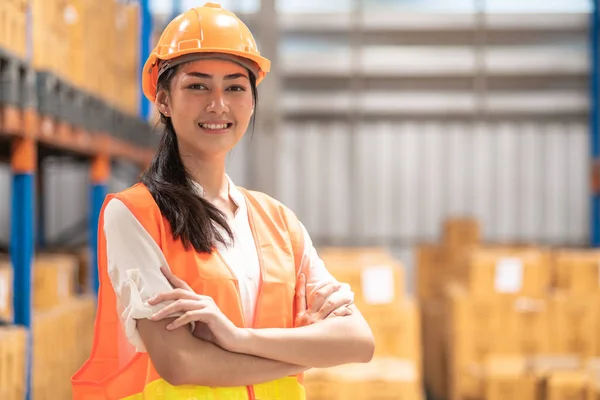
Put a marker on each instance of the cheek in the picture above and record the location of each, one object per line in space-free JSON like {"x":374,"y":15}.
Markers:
{"x":244,"y":110}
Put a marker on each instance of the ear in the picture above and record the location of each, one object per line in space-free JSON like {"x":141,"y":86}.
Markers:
{"x":162,"y":103}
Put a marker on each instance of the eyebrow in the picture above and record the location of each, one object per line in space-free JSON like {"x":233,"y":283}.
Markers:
{"x":208,"y":76}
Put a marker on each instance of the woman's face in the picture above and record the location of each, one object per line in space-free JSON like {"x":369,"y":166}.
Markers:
{"x":210,"y":104}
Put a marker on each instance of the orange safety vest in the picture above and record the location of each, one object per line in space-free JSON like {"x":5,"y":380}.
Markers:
{"x":116,"y":371}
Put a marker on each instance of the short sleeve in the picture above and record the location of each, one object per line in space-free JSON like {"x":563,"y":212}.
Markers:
{"x":316,"y":272}
{"x":133,"y":261}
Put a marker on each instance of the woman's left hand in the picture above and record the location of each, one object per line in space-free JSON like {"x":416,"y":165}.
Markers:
{"x":196,"y":308}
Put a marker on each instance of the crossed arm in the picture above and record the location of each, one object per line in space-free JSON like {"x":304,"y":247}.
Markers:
{"x":255,"y":355}
{"x":182,"y":359}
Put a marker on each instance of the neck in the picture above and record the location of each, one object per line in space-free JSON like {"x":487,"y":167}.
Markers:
{"x":210,"y":174}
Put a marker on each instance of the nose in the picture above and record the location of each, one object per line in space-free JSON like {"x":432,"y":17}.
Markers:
{"x":217,"y":103}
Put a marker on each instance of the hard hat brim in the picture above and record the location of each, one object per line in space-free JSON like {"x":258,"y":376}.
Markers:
{"x":150,"y":71}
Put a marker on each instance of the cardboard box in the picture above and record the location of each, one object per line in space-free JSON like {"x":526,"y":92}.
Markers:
{"x":503,"y":377}
{"x":434,"y":345}
{"x":397,"y":330}
{"x":13,"y":342}
{"x":567,"y":385}
{"x":381,"y":379}
{"x":375,"y":277}
{"x":431,"y":271}
{"x":526,"y":327}
{"x":577,"y":271}
{"x":6,"y":292}
{"x":320,"y":384}
{"x":576,"y":323}
{"x":461,"y":231}
{"x":474,"y":326}
{"x":53,"y":279}
{"x":62,"y":338}
{"x":593,"y":369}
{"x":524,"y":272}
{"x":497,"y":324}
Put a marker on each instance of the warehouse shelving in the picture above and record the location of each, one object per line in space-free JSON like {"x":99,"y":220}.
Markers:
{"x":37,"y":120}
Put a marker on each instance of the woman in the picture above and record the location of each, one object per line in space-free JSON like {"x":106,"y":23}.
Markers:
{"x":210,"y":291}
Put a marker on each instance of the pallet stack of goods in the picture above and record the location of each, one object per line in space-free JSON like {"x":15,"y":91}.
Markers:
{"x":62,"y":329}
{"x":66,"y":42}
{"x":13,"y":36}
{"x":65,"y":88}
{"x":499,"y":322}
{"x":377,"y":279}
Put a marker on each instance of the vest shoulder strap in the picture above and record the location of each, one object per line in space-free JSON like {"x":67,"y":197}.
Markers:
{"x":283,"y":218}
{"x":142,"y":205}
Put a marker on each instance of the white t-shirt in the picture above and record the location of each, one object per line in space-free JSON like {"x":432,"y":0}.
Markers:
{"x":134,"y":261}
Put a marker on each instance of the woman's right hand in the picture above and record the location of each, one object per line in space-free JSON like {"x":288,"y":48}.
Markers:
{"x":211,"y":324}
{"x":323,"y":304}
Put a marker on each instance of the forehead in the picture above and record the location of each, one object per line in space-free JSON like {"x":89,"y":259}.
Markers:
{"x":214,"y":67}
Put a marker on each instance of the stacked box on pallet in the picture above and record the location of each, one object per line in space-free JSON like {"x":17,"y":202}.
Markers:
{"x":381,"y":379}
{"x":62,"y":326}
{"x":91,"y":63}
{"x":13,"y":33}
{"x":53,"y":279}
{"x":437,"y":264}
{"x":13,"y":342}
{"x":61,"y":342}
{"x":67,"y":43}
{"x":6,"y":294}
{"x":75,"y":19}
{"x":377,"y":280}
{"x":127,"y":58}
{"x":530,"y":305}
{"x":502,"y":378}
{"x":577,"y":271}
{"x":50,"y":40}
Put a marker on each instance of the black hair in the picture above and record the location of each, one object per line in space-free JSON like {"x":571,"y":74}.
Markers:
{"x":193,"y":219}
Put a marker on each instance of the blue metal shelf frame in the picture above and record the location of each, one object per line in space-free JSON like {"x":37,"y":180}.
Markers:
{"x":98,"y":192}
{"x":22,"y":248}
{"x":145,"y":48}
{"x":595,"y":120}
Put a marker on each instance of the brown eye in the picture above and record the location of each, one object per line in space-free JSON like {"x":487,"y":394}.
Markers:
{"x":237,"y":88}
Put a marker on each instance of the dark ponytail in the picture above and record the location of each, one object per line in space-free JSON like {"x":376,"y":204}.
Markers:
{"x":192,"y":219}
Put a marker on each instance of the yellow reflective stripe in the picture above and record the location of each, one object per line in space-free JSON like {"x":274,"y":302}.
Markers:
{"x":282,"y":389}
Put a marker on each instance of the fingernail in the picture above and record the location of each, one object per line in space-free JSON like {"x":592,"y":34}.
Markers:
{"x":170,"y":326}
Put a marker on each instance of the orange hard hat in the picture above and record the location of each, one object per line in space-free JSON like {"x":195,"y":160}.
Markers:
{"x":210,"y":30}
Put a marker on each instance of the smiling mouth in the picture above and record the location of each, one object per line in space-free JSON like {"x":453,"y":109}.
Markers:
{"x":216,"y":127}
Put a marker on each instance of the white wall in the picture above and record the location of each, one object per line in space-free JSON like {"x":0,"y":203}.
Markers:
{"x":525,"y":182}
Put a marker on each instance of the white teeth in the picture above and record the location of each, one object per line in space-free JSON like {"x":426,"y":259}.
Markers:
{"x":214,"y":126}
